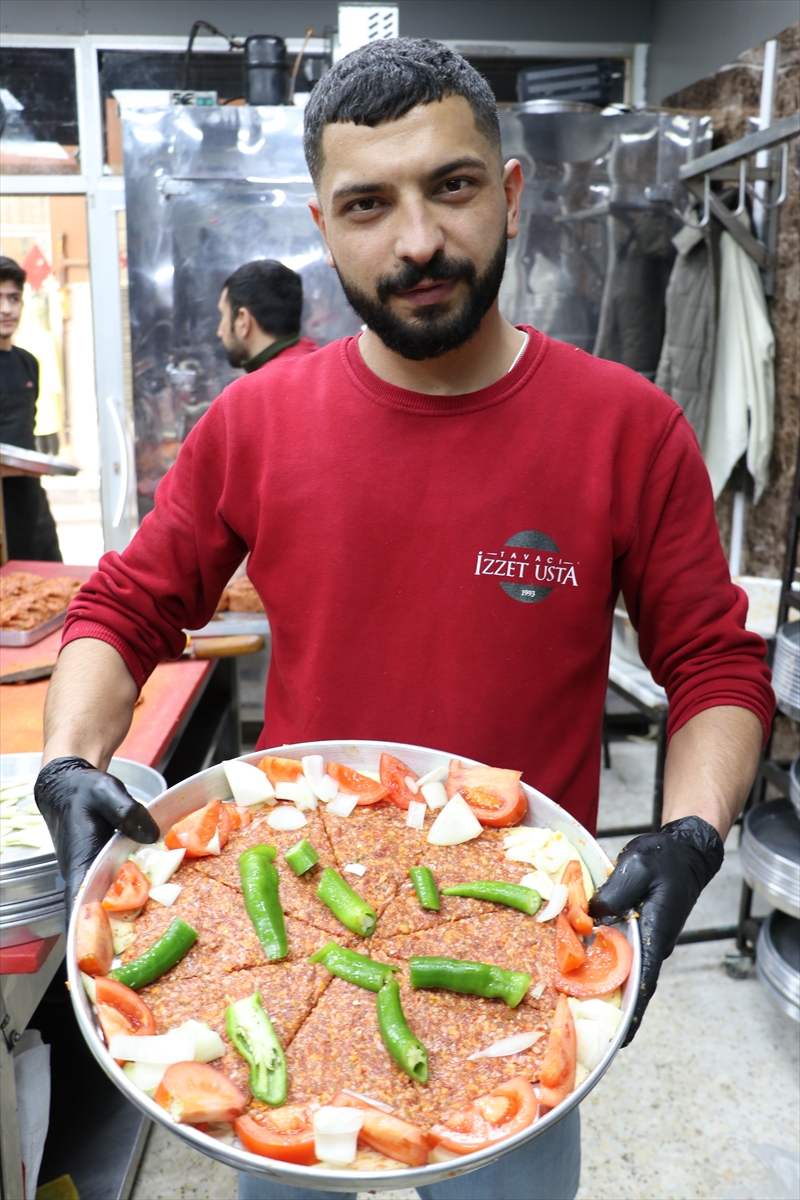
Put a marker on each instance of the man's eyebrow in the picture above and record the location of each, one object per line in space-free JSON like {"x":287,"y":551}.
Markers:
{"x":449,"y":168}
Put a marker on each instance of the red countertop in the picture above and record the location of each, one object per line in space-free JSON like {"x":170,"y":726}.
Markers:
{"x":166,"y":697}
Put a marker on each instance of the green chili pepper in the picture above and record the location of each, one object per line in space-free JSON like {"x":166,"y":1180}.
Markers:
{"x":356,"y":968}
{"x":406,"y":1050}
{"x":425,"y":887}
{"x":260,"y":886}
{"x":301,"y":857}
{"x":170,"y":948}
{"x":251,"y":1032}
{"x":473,"y":978}
{"x":350,"y":908}
{"x":525,"y":899}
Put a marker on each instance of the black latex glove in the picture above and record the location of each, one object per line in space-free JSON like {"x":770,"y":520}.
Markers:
{"x":82,"y":807}
{"x":660,"y":875}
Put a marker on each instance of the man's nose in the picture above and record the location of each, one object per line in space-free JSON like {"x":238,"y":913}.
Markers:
{"x":419,"y":235}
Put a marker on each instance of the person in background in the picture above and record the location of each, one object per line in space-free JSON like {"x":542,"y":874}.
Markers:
{"x":260,"y":309}
{"x":30,"y":528}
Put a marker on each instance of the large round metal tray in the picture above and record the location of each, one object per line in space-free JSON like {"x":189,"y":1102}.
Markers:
{"x":778,"y":962}
{"x":786,"y":669}
{"x":770,"y":854}
{"x":211,"y":784}
{"x":794,"y":784}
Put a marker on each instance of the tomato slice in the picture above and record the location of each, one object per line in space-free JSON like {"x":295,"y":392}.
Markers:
{"x":570,"y":950}
{"x":196,"y":833}
{"x":560,"y":1057}
{"x":608,"y":964}
{"x":353,"y":783}
{"x":280,"y":770}
{"x":240,"y":818}
{"x":393,"y":778}
{"x":121,"y":1010}
{"x":493,"y":793}
{"x":509,"y":1108}
{"x":386,"y":1133}
{"x":129,"y":890}
{"x":284,"y":1133}
{"x":94,"y":945}
{"x":577,"y":909}
{"x":194,"y":1092}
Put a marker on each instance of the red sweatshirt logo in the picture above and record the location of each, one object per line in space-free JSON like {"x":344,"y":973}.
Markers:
{"x":532,"y":561}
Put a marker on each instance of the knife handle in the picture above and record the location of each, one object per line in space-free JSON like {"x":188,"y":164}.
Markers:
{"x":227,"y":647}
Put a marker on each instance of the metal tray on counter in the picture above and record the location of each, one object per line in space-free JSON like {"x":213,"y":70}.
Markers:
{"x":778,"y":961}
{"x":198,"y":790}
{"x":233,"y":624}
{"x":29,"y":637}
{"x":770,"y":854}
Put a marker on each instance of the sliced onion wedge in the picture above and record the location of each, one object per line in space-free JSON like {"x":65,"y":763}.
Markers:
{"x":145,"y":1076}
{"x":158,"y":865}
{"x":285,"y":817}
{"x":343,"y":805}
{"x":387,"y":1108}
{"x":355,"y":869}
{"x":173,"y":1047}
{"x":435,"y":794}
{"x":456,"y":823}
{"x":411,"y":784}
{"x":415,"y":817}
{"x":166,"y":893}
{"x":434,"y":776}
{"x":321,"y":784}
{"x":248,"y":785}
{"x":514,"y":1044}
{"x":336,"y":1133}
{"x":591,"y":1042}
{"x":208,"y":1045}
{"x":541,"y":882}
{"x":554,"y":904}
{"x":300,"y":793}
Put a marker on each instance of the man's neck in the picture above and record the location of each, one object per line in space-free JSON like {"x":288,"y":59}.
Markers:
{"x":6,"y":342}
{"x":258,"y":341}
{"x":477,"y":364}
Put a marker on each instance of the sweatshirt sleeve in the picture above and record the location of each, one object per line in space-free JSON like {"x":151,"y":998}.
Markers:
{"x":674,"y":577}
{"x":172,"y":574}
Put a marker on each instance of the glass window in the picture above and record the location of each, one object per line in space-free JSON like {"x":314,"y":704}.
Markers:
{"x":38,"y":112}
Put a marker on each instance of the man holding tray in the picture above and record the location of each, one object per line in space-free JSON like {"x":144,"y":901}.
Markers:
{"x":440,"y":515}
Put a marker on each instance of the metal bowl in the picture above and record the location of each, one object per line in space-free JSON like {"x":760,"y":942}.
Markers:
{"x":794,"y":784}
{"x":786,"y":669}
{"x":770,"y":854}
{"x":211,"y":784}
{"x":778,"y":962}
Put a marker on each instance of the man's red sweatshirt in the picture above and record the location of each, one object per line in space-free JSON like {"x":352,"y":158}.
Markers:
{"x":443,"y":570}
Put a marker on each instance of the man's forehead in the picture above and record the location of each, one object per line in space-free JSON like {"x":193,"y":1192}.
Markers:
{"x":9,"y":288}
{"x":428,"y":134}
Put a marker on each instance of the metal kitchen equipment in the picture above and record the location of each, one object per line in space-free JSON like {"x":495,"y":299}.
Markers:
{"x":31,"y":887}
{"x":794,"y":784}
{"x":770,"y":854}
{"x":786,"y":669}
{"x":778,"y":962}
{"x":198,"y":790}
{"x":207,"y":189}
{"x":596,"y":221}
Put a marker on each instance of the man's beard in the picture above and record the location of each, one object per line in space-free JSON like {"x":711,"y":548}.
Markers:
{"x":434,"y":331}
{"x":238,"y":354}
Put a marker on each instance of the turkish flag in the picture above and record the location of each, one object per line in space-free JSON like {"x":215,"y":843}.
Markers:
{"x":36,"y":267}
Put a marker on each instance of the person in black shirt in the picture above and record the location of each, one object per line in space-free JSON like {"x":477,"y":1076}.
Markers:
{"x":30,"y":528}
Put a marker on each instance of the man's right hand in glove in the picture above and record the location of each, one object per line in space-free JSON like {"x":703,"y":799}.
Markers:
{"x":88,"y":711}
{"x":83,"y":807}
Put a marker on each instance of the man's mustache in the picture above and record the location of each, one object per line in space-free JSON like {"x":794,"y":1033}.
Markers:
{"x":437,"y":269}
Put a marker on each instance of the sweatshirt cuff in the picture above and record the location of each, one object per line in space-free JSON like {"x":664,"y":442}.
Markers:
{"x":736,"y":700}
{"x":101,"y":633}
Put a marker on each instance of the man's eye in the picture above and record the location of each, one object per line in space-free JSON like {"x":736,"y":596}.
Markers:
{"x":369,"y":204}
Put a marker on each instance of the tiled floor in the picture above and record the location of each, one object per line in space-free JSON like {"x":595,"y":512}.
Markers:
{"x":714,"y":1069}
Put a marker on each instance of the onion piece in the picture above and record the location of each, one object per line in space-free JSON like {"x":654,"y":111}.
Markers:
{"x":601,"y":1011}
{"x":434,"y":776}
{"x":248,"y":785}
{"x":208,"y":1045}
{"x":343,"y":805}
{"x":213,"y":846}
{"x":541,"y":882}
{"x":411,"y":784}
{"x":531,"y":835}
{"x":415,"y":817}
{"x":387,"y":1108}
{"x":456,"y":823}
{"x":157,"y":865}
{"x":591,"y":1042}
{"x":322,"y":785}
{"x":300,"y":793}
{"x":336,"y":1133}
{"x":173,"y":1047}
{"x":145,"y":1076}
{"x":166,"y":893}
{"x":439,"y":1155}
{"x":537,"y":992}
{"x":89,"y":987}
{"x":554,"y":904}
{"x":286,"y":818}
{"x":435,"y":794}
{"x":514,"y":1044}
{"x":355,"y":869}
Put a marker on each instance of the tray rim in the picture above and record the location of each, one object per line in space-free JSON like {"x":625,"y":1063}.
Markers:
{"x":98,"y":879}
{"x":17,"y":638}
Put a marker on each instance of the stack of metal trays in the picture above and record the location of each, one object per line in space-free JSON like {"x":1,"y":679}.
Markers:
{"x":794,"y":784}
{"x":31,"y":887}
{"x":770,"y":854}
{"x":778,"y":962}
{"x":786,"y":669}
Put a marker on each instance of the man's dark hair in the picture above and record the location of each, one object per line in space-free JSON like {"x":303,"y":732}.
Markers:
{"x":271,"y":292}
{"x":384,"y":80}
{"x":11,"y":270}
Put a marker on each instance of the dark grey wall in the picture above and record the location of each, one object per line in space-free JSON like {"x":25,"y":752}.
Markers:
{"x":694,"y":38}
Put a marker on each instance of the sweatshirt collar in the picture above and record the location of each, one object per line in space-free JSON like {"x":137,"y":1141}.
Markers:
{"x":423,"y":404}
{"x":271,"y":351}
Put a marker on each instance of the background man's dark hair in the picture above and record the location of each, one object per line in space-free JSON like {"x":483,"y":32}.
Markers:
{"x":384,"y":80}
{"x":271,"y":292}
{"x":11,"y":270}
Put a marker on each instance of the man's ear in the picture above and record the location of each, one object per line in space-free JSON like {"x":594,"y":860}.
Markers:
{"x":319,"y":221}
{"x":243,"y":323}
{"x":513,"y":183}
